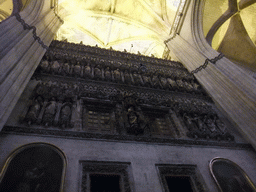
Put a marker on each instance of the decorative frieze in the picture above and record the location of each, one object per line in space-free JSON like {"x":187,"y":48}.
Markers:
{"x":109,"y":109}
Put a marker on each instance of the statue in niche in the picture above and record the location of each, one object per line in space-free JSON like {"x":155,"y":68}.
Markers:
{"x":41,"y":89}
{"x":108,"y":76}
{"x":66,"y":69}
{"x":196,"y":87}
{"x":87,"y":71}
{"x":155,"y":81}
{"x":172,"y":84}
{"x":189,"y":121}
{"x":34,"y":110}
{"x":50,"y":112}
{"x":223,"y":129}
{"x":127,"y":77}
{"x":188,"y":86}
{"x":164,"y":82}
{"x":137,"y":79}
{"x":210,"y":124}
{"x":119,"y":119}
{"x":136,"y":122}
{"x":180,"y":84}
{"x":77,"y":70}
{"x":146,"y":80}
{"x":65,"y":115}
{"x":45,"y":66}
{"x":117,"y":75}
{"x":97,"y":73}
{"x":201,"y":126}
{"x":55,"y":67}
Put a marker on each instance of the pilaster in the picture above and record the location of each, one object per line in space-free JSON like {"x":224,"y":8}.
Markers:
{"x":24,"y":38}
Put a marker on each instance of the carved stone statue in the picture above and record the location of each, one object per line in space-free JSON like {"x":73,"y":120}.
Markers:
{"x":172,"y":84}
{"x":137,"y":79}
{"x":223,"y":129}
{"x":164,"y":82}
{"x":136,"y":123}
{"x":55,"y":67}
{"x":188,"y":86}
{"x":127,"y":77}
{"x":87,"y":72}
{"x":189,"y":121}
{"x":146,"y":80}
{"x":66,"y":69}
{"x":180,"y":84}
{"x":34,"y":110}
{"x":50,"y":112}
{"x":155,"y":82}
{"x":119,"y":119}
{"x":117,"y":75}
{"x":108,"y":76}
{"x":77,"y":70}
{"x":196,"y":87}
{"x":65,"y":116}
{"x":45,"y":66}
{"x":97,"y":73}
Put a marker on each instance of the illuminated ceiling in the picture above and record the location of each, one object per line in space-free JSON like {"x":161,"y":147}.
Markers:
{"x":134,"y":25}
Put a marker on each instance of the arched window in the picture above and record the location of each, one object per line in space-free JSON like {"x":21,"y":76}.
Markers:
{"x":34,"y":167}
{"x":230,"y":177}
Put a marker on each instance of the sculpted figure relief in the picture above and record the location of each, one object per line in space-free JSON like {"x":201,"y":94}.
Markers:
{"x":97,"y":73}
{"x":155,"y":82}
{"x":108,"y":76}
{"x":146,"y":80}
{"x":65,"y":116}
{"x":66,"y":69}
{"x":127,"y":77}
{"x":87,"y":71}
{"x":137,"y":79}
{"x":34,"y":110}
{"x":55,"y":67}
{"x":117,"y":75}
{"x":44,"y":66}
{"x":50,"y":112}
{"x":77,"y":70}
{"x":172,"y":84}
{"x":189,"y":121}
{"x":164,"y":82}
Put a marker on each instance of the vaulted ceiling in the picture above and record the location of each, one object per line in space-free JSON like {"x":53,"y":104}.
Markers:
{"x":134,"y":25}
{"x":230,"y":26}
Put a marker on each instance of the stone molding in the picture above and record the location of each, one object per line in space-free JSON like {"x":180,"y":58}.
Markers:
{"x":10,"y":130}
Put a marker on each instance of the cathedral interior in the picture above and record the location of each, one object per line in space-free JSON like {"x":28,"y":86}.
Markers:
{"x":127,"y":95}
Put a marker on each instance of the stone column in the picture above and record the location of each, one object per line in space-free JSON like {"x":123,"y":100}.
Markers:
{"x":233,"y":90}
{"x":23,"y":42}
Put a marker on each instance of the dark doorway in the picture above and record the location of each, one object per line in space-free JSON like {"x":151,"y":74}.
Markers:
{"x":178,"y":183}
{"x":104,"y":183}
